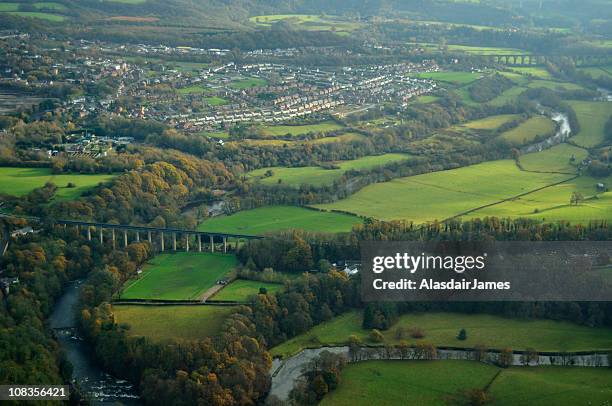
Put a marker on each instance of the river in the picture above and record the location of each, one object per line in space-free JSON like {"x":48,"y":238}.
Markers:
{"x":564,"y":131}
{"x":96,"y":385}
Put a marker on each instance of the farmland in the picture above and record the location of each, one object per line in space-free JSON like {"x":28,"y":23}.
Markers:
{"x":441,"y":329}
{"x":280,"y":130}
{"x":240,"y":289}
{"x":308,"y":22}
{"x":181,"y":275}
{"x":460,"y":78}
{"x":319,"y":176}
{"x":161,"y":323}
{"x":276,"y":218}
{"x":592,"y":117}
{"x":491,"y":122}
{"x":440,"y":195}
{"x":555,"y":159}
{"x":529,"y":130}
{"x":21,"y":181}
{"x":435,"y":382}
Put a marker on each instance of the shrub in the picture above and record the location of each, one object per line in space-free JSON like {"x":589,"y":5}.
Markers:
{"x":376,"y":336}
{"x":417,"y":332}
{"x":462,"y":336}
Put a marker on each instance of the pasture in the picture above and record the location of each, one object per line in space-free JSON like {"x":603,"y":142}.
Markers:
{"x":180,"y":275}
{"x":444,"y":194}
{"x":537,"y":72}
{"x":215,"y":101}
{"x":309,"y":22}
{"x":281,"y":130}
{"x":240,"y":290}
{"x":592,"y":117}
{"x":508,"y":96}
{"x":437,"y":382}
{"x":276,"y":218}
{"x":21,"y":181}
{"x":195,"y":89}
{"x":441,"y":329}
{"x":555,"y":159}
{"x":491,"y":122}
{"x":161,"y":323}
{"x":40,"y":15}
{"x":458,"y":78}
{"x":529,"y":130}
{"x":318,"y":176}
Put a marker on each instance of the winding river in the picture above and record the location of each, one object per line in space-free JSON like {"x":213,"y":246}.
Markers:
{"x":96,"y":385}
{"x":564,"y":131}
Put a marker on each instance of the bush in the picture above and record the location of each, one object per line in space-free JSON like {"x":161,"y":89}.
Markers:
{"x":376,"y":336}
{"x":416,"y":332}
{"x":462,"y":336}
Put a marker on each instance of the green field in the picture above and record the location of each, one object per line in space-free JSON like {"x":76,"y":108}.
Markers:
{"x":509,"y":96}
{"x":181,"y":275}
{"x":191,"y":89}
{"x":309,"y":22}
{"x":436,"y":382}
{"x":39,"y":5}
{"x":215,"y":101}
{"x":537,"y":72}
{"x":315,"y":175}
{"x":280,"y":130}
{"x":247,"y":83}
{"x":491,"y":122}
{"x":275,"y":218}
{"x":21,"y":181}
{"x":555,"y":159}
{"x":441,"y":330}
{"x":460,"y":78}
{"x":554,"y":85}
{"x":529,"y":130}
{"x":240,"y":290}
{"x":161,"y":323}
{"x":39,"y":15}
{"x":592,"y":117}
{"x":444,"y":194}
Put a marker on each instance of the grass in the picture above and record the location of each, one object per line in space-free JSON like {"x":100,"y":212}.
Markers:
{"x":592,"y":117}
{"x":436,"y":382}
{"x":554,"y":85}
{"x":346,"y":137}
{"x":191,"y":90}
{"x":39,"y":15}
{"x":280,"y":130}
{"x":529,"y":130}
{"x":161,"y":323}
{"x":537,"y":72}
{"x":182,"y":275}
{"x":509,"y":96}
{"x":275,"y":218}
{"x":240,"y":290}
{"x":21,"y":181}
{"x":491,"y":122}
{"x":440,"y":195}
{"x":389,"y":383}
{"x":215,"y":101}
{"x":555,"y":159}
{"x":247,"y":83}
{"x":318,"y":176}
{"x":441,"y":330}
{"x":309,"y":22}
{"x":459,"y":78}
{"x":427,"y":99}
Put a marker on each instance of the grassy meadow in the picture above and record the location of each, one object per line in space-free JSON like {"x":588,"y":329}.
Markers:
{"x":281,"y":130}
{"x":592,"y":117}
{"x":555,"y":159}
{"x":491,"y":122}
{"x":444,"y":194}
{"x":240,"y":290}
{"x":180,"y":275}
{"x":318,"y":176}
{"x":276,"y":218}
{"x":529,"y":130}
{"x":437,"y":382}
{"x":160,"y":323}
{"x":21,"y":181}
{"x":458,"y":78}
{"x":247,"y":83}
{"x":441,"y":329}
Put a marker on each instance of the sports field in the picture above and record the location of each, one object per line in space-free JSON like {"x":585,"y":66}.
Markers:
{"x":247,"y":83}
{"x":529,"y":130}
{"x":438,"y":382}
{"x":21,"y":181}
{"x":280,"y":130}
{"x":215,"y":101}
{"x":317,"y":176}
{"x":181,"y":275}
{"x":195,"y":89}
{"x":592,"y":117}
{"x":240,"y":290}
{"x":441,"y":329}
{"x":276,"y":218}
{"x":161,"y":323}
{"x":441,"y":195}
